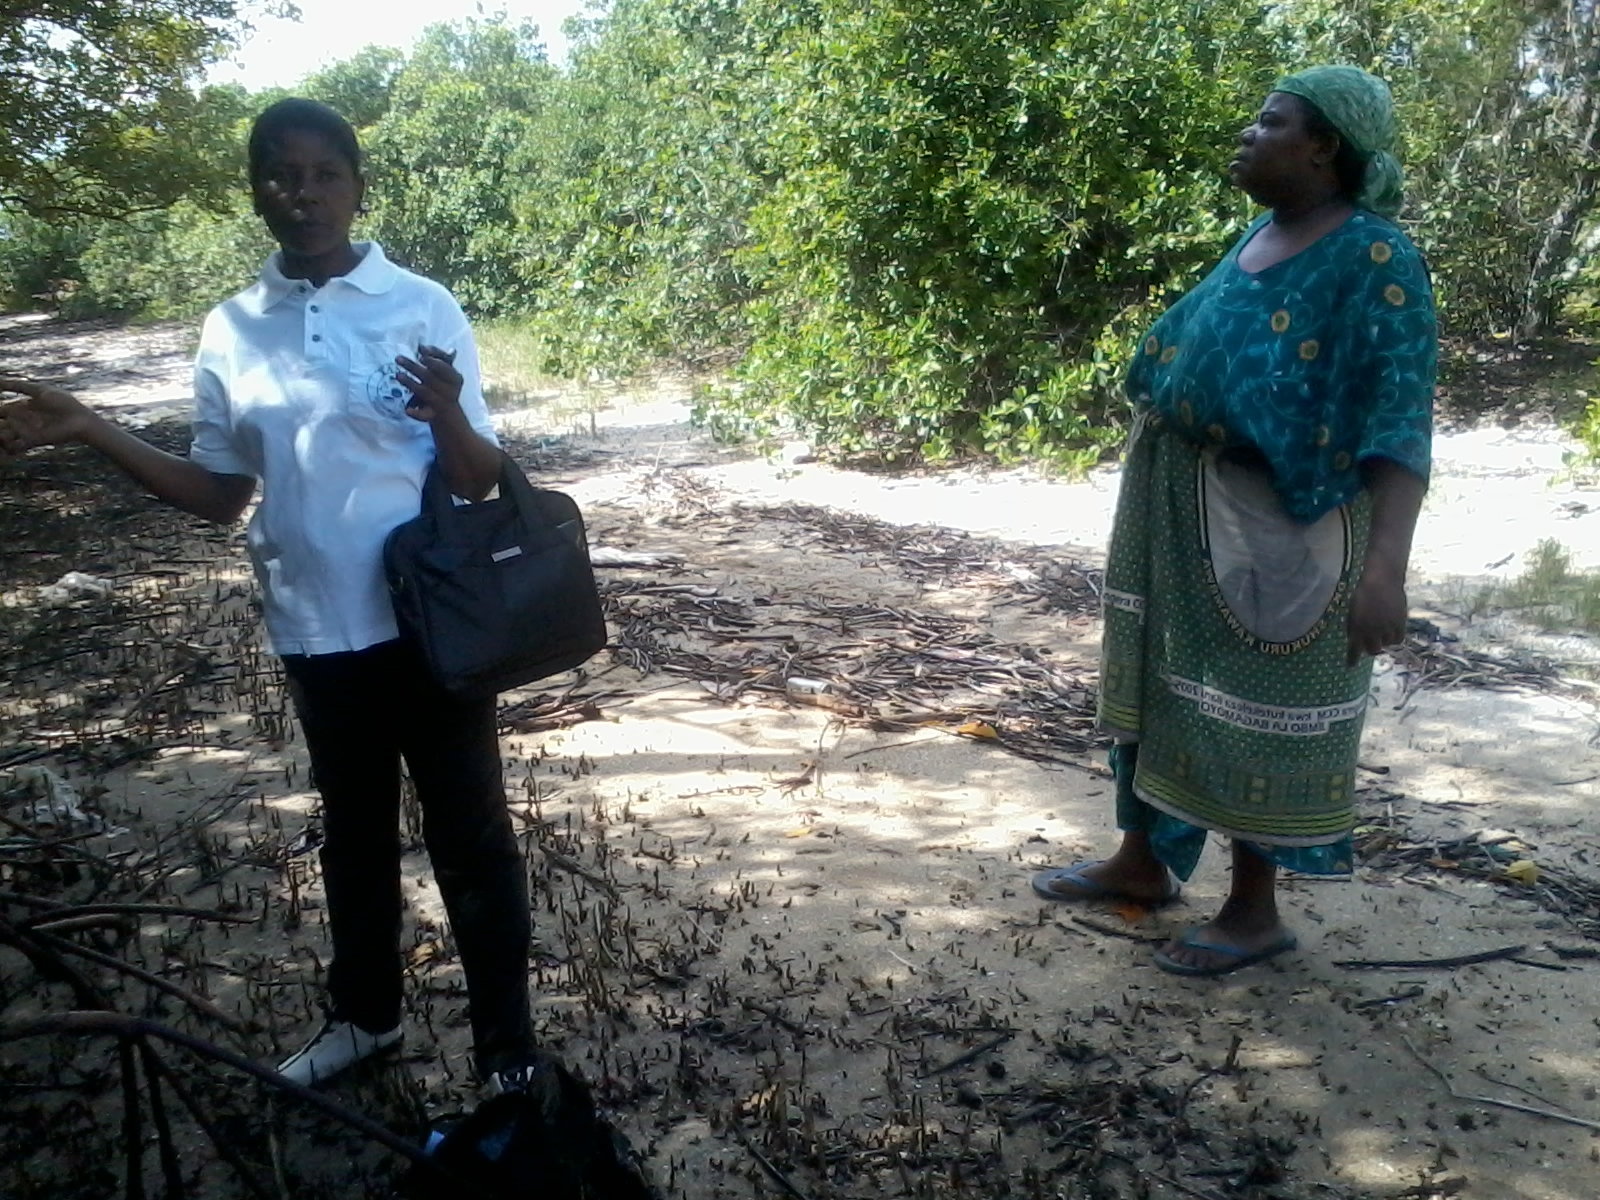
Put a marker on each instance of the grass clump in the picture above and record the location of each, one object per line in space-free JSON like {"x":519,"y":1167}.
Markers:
{"x":1552,"y":592}
{"x":516,"y":366}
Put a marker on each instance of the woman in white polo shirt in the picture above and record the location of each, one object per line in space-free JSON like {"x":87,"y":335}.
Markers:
{"x":335,"y":381}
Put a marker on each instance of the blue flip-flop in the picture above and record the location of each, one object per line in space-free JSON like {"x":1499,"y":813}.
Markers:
{"x":1090,"y":890}
{"x":1236,"y":959}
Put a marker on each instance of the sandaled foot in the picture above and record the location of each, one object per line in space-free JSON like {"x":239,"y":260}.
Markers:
{"x":1104,"y":880}
{"x":1210,"y":950}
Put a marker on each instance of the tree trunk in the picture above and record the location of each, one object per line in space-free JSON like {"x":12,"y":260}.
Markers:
{"x":1541,"y":298}
{"x":1543,"y":291}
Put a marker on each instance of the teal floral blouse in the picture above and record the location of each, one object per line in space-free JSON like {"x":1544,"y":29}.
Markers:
{"x":1320,"y":362}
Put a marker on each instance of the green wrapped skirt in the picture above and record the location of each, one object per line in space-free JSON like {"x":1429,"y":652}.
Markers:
{"x":1223,"y":675}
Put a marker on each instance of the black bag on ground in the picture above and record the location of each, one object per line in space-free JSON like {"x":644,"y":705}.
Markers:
{"x":498,"y":593}
{"x":547,"y":1142}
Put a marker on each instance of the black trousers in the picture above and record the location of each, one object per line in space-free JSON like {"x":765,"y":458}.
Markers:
{"x":362,"y":712}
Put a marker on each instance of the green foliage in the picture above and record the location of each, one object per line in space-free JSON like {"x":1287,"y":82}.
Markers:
{"x":38,"y":260}
{"x":982,"y":203}
{"x":636,"y":190}
{"x":361,"y":88}
{"x":176,"y":263}
{"x":172,"y":264}
{"x":97,"y":112}
{"x":923,"y":227}
{"x":441,"y":156}
{"x":1586,"y":429}
{"x":1498,"y":108}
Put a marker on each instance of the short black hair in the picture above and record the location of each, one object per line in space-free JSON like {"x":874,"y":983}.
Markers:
{"x":1349,"y":164}
{"x":295,"y":115}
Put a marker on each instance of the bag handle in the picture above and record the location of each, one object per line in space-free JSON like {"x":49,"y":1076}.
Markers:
{"x":514,"y":487}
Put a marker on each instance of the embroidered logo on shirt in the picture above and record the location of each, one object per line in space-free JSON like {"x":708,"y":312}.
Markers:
{"x":386,"y":393}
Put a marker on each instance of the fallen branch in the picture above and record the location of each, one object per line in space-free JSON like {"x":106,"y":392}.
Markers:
{"x":573,"y":867}
{"x":1128,"y":935}
{"x":224,"y":1146}
{"x":1431,"y":964}
{"x":971,"y":1056}
{"x":199,"y":1003}
{"x":51,"y":966}
{"x":608,"y":556}
{"x":170,"y":1171}
{"x":88,"y":921}
{"x":46,"y":919}
{"x":1410,"y":993}
{"x":1515,"y":1087}
{"x":120,"y":1025}
{"x":771,"y":1168}
{"x":1512,"y":1105}
{"x":1574,"y":951}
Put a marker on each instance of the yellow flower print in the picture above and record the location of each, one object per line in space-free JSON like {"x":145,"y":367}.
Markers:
{"x":1186,"y":413}
{"x":1395,"y":294}
{"x":1152,"y":345}
{"x":1170,"y":353}
{"x":1310,"y":348}
{"x":1216,"y":433}
{"x":1382,"y":252}
{"x":1324,"y":436}
{"x":1280,"y":321}
{"x":1341,"y":461}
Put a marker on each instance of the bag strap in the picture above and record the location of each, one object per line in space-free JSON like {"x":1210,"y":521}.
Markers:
{"x":514,"y":488}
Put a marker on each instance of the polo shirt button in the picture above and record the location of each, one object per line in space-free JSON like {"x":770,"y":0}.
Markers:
{"x":315,"y":308}
{"x":316,"y":337}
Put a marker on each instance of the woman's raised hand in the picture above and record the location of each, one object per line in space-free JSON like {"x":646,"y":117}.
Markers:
{"x":433,"y":381}
{"x":48,"y":416}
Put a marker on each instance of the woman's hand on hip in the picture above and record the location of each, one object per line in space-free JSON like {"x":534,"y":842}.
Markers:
{"x":433,"y":381}
{"x":48,"y":416}
{"x":1378,"y":611}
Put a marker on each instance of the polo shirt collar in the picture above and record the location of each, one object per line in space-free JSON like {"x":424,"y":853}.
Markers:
{"x":374,"y":275}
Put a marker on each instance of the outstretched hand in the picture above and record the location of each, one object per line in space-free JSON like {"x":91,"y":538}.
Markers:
{"x":48,"y":416}
{"x":434,"y":382}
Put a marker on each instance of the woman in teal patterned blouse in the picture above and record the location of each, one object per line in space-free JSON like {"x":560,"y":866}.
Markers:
{"x":1281,"y":444}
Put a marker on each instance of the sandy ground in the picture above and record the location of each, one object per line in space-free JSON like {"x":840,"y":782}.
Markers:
{"x":767,"y":928}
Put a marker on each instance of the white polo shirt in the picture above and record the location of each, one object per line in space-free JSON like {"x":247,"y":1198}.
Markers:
{"x":296,"y":386}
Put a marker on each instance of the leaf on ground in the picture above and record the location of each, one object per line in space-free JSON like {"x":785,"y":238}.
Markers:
{"x":1524,"y":870}
{"x":424,"y":953}
{"x":978,"y":729}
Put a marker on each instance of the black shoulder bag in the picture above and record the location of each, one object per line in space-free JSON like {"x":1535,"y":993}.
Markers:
{"x":498,"y":593}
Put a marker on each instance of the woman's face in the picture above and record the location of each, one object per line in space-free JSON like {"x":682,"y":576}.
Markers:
{"x":1278,"y":157}
{"x":308,"y":193}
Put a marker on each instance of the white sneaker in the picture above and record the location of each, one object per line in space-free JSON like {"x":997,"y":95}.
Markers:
{"x":337,"y":1046}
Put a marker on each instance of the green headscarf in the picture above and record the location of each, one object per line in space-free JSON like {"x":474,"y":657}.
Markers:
{"x":1359,"y":106}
